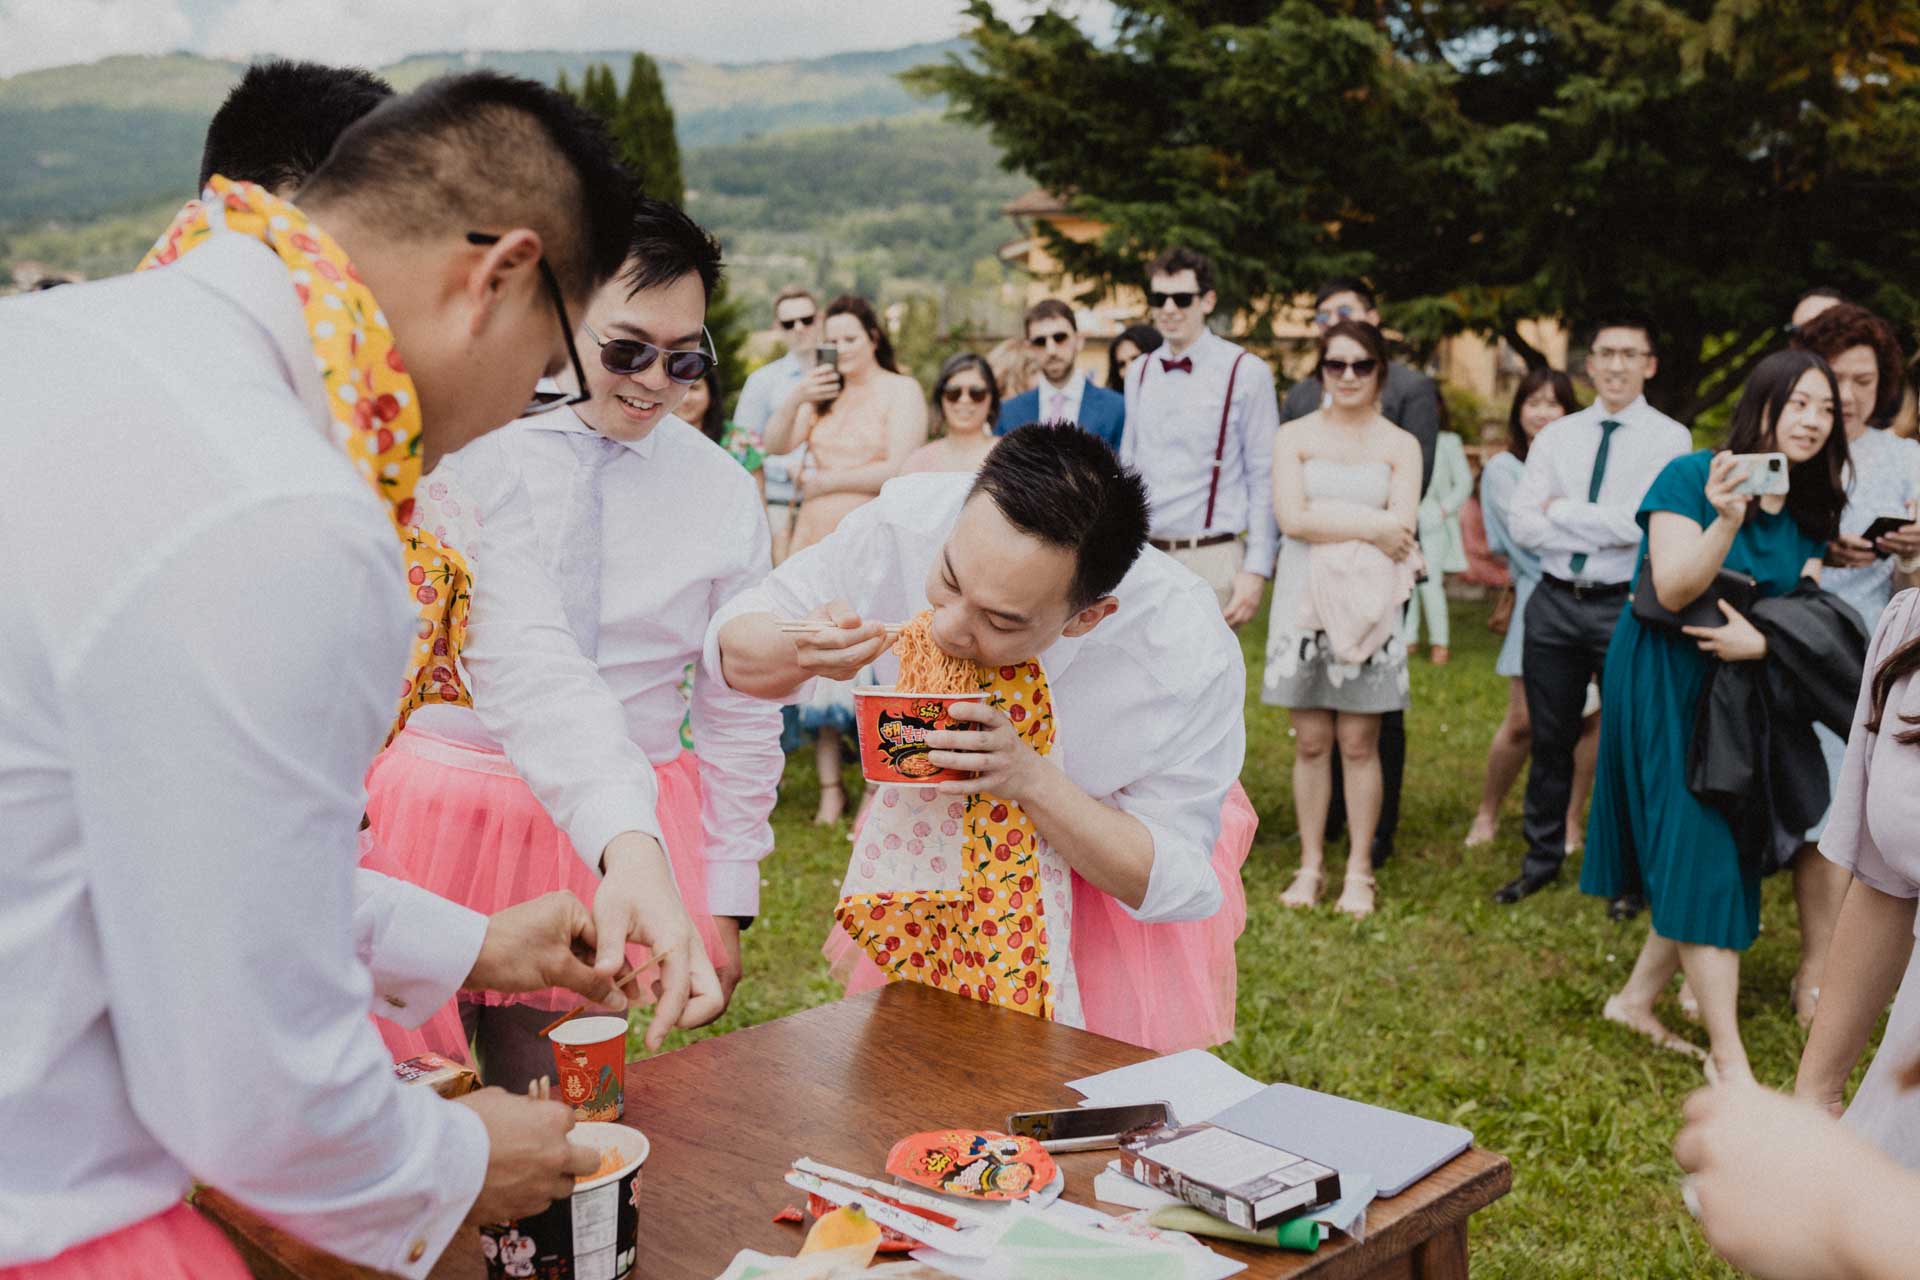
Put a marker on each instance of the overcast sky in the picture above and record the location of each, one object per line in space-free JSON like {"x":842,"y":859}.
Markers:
{"x":46,"y":33}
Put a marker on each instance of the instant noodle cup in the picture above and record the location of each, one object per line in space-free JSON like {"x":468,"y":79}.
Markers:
{"x":590,"y":1055}
{"x":590,"y":1235}
{"x":893,"y":730}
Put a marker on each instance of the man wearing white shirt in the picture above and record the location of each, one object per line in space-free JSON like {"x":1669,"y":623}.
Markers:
{"x":1578,"y":506}
{"x":796,"y":315}
{"x":1041,"y":557}
{"x":191,"y":715}
{"x":1201,"y":418}
{"x":1063,"y":393}
{"x":579,"y":637}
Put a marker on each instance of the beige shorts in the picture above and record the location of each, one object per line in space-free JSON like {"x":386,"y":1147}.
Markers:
{"x":1217,"y":565}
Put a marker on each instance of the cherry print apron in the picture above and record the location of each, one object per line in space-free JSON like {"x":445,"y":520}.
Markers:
{"x":963,"y":894}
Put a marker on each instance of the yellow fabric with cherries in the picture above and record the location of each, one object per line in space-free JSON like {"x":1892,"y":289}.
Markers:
{"x":987,"y":940}
{"x":372,"y":402}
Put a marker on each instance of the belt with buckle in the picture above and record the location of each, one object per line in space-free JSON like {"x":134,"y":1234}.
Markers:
{"x":1588,"y":590}
{"x":1191,"y":544}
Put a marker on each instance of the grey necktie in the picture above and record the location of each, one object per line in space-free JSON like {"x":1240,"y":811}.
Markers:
{"x":580,"y":541}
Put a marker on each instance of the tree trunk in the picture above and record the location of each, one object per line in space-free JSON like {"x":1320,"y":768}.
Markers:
{"x":1675,"y":389}
{"x":1535,"y":358}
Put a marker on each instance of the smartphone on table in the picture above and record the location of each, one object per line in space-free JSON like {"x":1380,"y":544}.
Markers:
{"x":1766,"y":474}
{"x":1086,"y":1128}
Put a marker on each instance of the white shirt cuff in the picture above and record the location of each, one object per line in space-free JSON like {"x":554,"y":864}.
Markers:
{"x":465,"y":1150}
{"x":1174,"y":891}
{"x":733,"y":888}
{"x":421,"y":951}
{"x":606,"y":814}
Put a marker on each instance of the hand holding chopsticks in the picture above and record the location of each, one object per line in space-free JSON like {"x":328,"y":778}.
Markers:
{"x":836,"y":642}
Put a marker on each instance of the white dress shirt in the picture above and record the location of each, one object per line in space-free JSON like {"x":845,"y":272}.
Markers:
{"x":1173,"y":429}
{"x":1148,"y":705}
{"x":1070,"y":397}
{"x":682,"y":533}
{"x":203,"y":632}
{"x":1550,"y":513}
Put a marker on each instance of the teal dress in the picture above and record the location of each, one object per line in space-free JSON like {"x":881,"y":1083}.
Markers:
{"x":1646,"y":831}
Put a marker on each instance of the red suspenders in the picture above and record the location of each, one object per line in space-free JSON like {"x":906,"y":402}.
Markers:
{"x":1220,"y":445}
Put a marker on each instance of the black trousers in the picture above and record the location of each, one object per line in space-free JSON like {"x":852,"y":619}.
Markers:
{"x":1393,"y":765}
{"x":1566,"y":647}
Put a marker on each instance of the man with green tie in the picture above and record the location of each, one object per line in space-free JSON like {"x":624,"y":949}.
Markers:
{"x":1578,"y":508}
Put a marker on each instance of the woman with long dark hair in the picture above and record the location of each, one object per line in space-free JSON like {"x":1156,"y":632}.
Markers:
{"x":859,"y":420}
{"x":1134,"y":341}
{"x":966,"y":404}
{"x":1649,"y":832}
{"x":1543,"y":396}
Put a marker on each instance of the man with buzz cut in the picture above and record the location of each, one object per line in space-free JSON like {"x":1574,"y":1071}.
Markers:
{"x":196,"y":688}
{"x":282,"y":119}
{"x":1063,"y":393}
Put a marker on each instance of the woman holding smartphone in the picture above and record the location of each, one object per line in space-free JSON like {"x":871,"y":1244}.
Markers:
{"x":1648,"y":831}
{"x":859,"y":418}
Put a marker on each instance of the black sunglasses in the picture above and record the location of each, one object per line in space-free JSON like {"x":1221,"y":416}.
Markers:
{"x":1359,"y":368}
{"x":796,"y":322}
{"x":1045,"y":340}
{"x":1182,"y":300}
{"x":547,"y":401}
{"x":627,"y":356}
{"x":976,"y":394}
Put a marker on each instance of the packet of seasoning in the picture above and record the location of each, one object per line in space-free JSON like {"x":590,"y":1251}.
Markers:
{"x":443,"y":1075}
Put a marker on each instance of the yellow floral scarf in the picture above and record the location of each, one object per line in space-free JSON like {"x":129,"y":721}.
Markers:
{"x":988,"y":940}
{"x":372,"y":401}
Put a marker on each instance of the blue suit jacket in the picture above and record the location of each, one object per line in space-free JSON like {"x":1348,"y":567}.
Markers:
{"x":1102,"y":412}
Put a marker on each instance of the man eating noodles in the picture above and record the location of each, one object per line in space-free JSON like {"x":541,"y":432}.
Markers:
{"x":1087,"y":868}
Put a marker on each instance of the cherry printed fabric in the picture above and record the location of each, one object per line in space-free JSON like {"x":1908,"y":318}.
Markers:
{"x":372,"y":401}
{"x":981,"y":933}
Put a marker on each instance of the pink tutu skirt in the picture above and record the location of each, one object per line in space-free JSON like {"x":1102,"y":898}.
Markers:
{"x":178,"y":1244}
{"x":1165,"y":987}
{"x":457,"y":820}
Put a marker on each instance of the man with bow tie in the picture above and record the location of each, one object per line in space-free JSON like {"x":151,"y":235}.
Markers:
{"x":1201,"y":418}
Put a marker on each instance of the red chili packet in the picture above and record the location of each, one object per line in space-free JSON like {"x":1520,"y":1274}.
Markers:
{"x":966,"y":1162}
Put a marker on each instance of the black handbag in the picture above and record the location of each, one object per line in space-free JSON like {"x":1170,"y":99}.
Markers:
{"x":1737,"y":589}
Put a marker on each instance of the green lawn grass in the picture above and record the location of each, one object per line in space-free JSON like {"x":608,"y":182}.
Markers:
{"x":1442,"y":1004}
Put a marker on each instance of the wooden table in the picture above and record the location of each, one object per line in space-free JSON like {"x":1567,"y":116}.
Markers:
{"x":840,"y":1083}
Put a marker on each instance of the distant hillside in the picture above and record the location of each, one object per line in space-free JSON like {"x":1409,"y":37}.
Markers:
{"x":118,"y":135}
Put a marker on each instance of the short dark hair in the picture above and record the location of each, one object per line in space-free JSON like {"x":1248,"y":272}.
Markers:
{"x":1063,"y":485}
{"x":1368,"y":336}
{"x":487,"y":152}
{"x":1346,"y":284}
{"x":960,"y":363}
{"x":1172,"y":262}
{"x":1844,"y":326}
{"x":852,"y":304}
{"x":1048,"y":309}
{"x":1623,"y":318}
{"x":1817,"y":489}
{"x":665,"y":245}
{"x":1144,"y":338}
{"x":1518,"y":441}
{"x":282,"y":119}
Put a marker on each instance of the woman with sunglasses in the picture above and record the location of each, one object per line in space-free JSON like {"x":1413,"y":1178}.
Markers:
{"x":966,"y":402}
{"x":859,"y":420}
{"x":1344,"y":476}
{"x":602,"y":537}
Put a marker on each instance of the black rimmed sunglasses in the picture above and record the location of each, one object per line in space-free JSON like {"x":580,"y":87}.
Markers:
{"x":1359,"y":368}
{"x":978,"y":395}
{"x":547,"y":401}
{"x":796,"y":322}
{"x":1183,"y":299}
{"x":628,"y":356}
